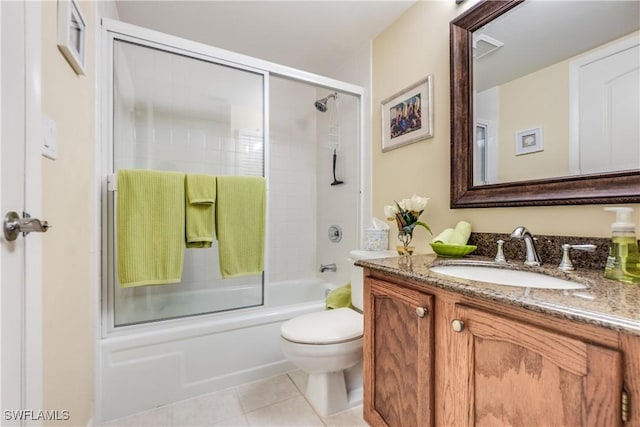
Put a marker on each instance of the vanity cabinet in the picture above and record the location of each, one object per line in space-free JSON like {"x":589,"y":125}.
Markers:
{"x":472,"y":362}
{"x":511,"y":373}
{"x":398,"y":362}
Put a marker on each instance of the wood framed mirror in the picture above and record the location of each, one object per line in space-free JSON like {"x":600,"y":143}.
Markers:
{"x":622,"y":186}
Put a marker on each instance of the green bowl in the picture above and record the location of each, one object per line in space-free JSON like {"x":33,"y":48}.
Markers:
{"x":452,"y":251}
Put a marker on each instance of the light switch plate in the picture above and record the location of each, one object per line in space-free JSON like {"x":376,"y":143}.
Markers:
{"x":49,"y":144}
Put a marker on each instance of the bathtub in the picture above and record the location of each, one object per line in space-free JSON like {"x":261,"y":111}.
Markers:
{"x":147,"y":366}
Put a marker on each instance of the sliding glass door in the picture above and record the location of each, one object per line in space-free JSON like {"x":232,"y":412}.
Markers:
{"x":176,"y":111}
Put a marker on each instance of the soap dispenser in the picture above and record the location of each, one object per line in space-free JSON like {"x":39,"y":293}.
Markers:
{"x":623,"y":262}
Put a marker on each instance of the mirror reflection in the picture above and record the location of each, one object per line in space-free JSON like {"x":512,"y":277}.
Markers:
{"x":557,"y":91}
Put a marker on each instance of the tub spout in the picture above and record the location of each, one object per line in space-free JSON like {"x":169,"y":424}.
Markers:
{"x":330,"y":267}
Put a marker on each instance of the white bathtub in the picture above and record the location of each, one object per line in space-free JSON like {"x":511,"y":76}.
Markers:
{"x":151,"y":365}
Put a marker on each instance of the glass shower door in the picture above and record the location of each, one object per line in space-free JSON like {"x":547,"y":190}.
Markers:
{"x":177,"y":112}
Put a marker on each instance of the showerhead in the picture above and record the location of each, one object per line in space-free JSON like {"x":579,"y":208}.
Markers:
{"x":321,"y":104}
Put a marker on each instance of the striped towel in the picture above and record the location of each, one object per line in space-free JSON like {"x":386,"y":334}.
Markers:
{"x":240,"y":225}
{"x":150,"y":227}
{"x":200,"y":210}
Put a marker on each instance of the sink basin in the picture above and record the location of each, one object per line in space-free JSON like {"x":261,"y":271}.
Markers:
{"x":501,"y":276}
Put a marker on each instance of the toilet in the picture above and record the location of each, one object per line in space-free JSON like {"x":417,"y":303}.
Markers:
{"x":327,"y":345}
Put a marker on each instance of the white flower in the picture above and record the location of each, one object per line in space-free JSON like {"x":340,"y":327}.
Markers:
{"x":390,"y":211}
{"x":416,"y":203}
{"x":407,"y":213}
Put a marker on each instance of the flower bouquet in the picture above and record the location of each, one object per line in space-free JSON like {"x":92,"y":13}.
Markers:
{"x":406,"y":214}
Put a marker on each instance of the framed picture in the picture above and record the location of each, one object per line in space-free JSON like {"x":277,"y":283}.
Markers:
{"x":528,"y":141}
{"x":72,"y":34}
{"x":407,"y":116}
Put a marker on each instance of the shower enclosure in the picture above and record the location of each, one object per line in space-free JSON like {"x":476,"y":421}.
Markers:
{"x":173,"y":105}
{"x":166,"y":119}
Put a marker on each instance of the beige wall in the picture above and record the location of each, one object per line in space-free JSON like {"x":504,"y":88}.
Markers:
{"x":67,"y":198}
{"x":539,"y":99}
{"x":415,"y":45}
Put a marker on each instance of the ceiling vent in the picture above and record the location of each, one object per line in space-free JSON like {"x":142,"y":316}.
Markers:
{"x":484,"y":45}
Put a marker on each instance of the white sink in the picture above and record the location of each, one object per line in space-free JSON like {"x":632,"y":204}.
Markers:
{"x":501,"y":276}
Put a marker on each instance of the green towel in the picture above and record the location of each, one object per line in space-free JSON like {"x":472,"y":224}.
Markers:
{"x":444,"y":236}
{"x":200,"y":210}
{"x":240,"y":224}
{"x":461,"y":233}
{"x":150,"y":227}
{"x":339,"y":297}
{"x":458,"y":236}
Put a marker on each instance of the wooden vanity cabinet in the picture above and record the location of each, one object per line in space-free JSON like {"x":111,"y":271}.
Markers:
{"x":511,"y":373}
{"x":398,"y":362}
{"x":478,"y":363}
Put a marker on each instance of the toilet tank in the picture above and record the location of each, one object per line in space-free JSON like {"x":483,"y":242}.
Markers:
{"x":357,"y":290}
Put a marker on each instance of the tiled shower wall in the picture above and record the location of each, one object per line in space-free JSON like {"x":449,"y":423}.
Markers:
{"x":338,"y":204}
{"x":292,"y":193}
{"x":303,"y":204}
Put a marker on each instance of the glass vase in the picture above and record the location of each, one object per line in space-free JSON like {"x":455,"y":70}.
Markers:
{"x":405,"y":248}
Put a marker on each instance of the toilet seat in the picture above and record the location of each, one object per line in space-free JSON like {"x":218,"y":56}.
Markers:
{"x":324,"y":327}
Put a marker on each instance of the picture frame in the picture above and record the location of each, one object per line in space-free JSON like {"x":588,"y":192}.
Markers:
{"x":72,"y":34}
{"x":529,"y":141}
{"x":407,"y":116}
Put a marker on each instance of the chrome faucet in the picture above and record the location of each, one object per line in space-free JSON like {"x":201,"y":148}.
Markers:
{"x":330,"y":267}
{"x":531,"y":258}
{"x":565,"y":263}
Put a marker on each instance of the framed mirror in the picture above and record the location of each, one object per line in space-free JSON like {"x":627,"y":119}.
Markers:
{"x":518,"y":136}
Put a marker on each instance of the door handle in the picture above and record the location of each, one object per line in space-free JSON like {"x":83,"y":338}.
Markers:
{"x":13,"y":225}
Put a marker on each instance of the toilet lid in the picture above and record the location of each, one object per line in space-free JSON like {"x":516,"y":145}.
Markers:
{"x":324,"y":327}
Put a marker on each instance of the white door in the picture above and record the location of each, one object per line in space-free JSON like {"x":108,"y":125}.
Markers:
{"x":20,"y":270}
{"x":608,"y":107}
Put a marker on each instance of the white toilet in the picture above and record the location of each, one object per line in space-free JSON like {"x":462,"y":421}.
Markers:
{"x":328,"y":346}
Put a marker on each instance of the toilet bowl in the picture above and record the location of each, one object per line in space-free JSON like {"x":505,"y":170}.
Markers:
{"x":327,"y":345}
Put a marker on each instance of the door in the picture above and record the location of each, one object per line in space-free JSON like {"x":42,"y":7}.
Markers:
{"x":398,"y":356}
{"x":20,"y":329}
{"x":512,"y":374}
{"x":604,"y":113}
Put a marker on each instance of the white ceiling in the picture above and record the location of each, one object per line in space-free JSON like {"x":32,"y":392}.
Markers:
{"x":315,"y":36}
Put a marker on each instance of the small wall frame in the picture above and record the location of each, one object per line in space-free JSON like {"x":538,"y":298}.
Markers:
{"x":72,"y":34}
{"x":407,"y":116}
{"x":529,"y":141}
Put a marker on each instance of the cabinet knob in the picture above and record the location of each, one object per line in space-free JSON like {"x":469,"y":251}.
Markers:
{"x":421,"y":311}
{"x":457,"y":325}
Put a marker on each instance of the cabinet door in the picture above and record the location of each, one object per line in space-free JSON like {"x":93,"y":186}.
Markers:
{"x":398,"y":356}
{"x":516,"y":374}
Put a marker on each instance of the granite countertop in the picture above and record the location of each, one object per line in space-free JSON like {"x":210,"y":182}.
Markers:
{"x":605,"y":303}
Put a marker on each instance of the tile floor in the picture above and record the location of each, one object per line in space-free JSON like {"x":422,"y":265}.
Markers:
{"x":277,"y":401}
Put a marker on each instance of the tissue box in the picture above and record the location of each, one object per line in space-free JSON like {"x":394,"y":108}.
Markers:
{"x":376,"y":240}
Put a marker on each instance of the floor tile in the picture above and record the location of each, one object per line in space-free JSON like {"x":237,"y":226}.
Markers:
{"x":351,"y":418}
{"x":266,"y":392}
{"x":240,"y":421}
{"x":300,"y":379}
{"x":160,"y":417}
{"x":272,"y":402}
{"x":208,"y":409}
{"x":294,"y":412}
